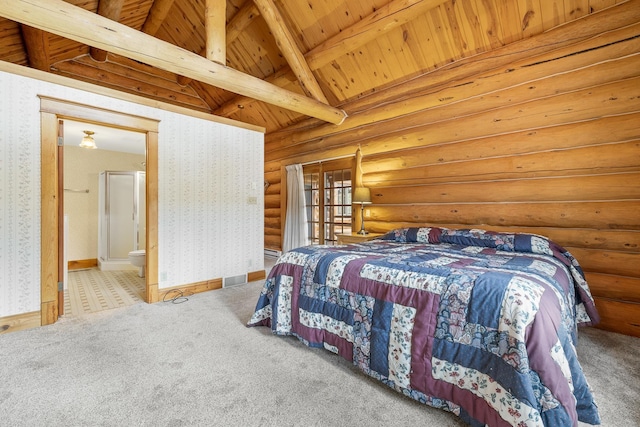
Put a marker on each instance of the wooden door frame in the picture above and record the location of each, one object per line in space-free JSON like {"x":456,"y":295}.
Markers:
{"x":51,"y":110}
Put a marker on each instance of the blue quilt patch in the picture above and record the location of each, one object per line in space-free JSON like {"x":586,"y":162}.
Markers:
{"x":380,"y":322}
{"x":488,"y":291}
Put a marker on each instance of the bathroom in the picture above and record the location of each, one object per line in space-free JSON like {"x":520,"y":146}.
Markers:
{"x":101,"y":274}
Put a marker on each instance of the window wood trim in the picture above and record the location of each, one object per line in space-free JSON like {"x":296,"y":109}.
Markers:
{"x":325,"y":166}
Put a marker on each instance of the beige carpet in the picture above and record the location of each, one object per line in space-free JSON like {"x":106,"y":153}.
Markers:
{"x":92,"y":290}
{"x":197,"y":364}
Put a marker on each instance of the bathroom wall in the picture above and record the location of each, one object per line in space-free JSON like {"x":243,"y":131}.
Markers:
{"x":81,"y":169}
{"x":208,"y":173}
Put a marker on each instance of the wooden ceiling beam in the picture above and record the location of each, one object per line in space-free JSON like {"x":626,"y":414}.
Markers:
{"x":280,"y":79}
{"x":241,"y":20}
{"x":286,"y":43}
{"x":237,"y":24}
{"x":110,"y":9}
{"x":59,"y":17}
{"x":378,"y":23}
{"x":36,"y":43}
{"x":215,"y":30}
{"x":383,"y":20}
{"x":157,"y":14}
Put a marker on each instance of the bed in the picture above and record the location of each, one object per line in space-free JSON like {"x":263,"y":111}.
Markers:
{"x":479,"y":323}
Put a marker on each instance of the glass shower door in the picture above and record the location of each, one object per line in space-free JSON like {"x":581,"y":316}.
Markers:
{"x":121,"y":221}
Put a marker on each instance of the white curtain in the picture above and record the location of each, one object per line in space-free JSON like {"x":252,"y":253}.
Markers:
{"x":295,"y":224}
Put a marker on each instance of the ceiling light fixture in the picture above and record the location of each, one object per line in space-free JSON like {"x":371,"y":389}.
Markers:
{"x":87,"y":140}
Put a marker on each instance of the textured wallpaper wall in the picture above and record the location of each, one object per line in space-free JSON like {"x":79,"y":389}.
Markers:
{"x":207,"y":173}
{"x":81,"y":170}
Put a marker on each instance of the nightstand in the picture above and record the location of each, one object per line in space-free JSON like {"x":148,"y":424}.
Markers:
{"x":345,"y":239}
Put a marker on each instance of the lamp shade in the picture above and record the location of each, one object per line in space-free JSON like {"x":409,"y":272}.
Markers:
{"x":87,"y":140}
{"x":362,"y":195}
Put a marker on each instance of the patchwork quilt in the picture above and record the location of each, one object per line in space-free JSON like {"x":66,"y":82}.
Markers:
{"x":478,"y":323}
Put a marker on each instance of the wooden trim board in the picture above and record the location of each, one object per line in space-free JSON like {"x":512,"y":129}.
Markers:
{"x":253,"y":276}
{"x":19,"y":322}
{"x":167,"y":294}
{"x":81,"y":264}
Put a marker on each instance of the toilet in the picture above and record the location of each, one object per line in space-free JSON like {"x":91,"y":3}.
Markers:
{"x":139,"y":259}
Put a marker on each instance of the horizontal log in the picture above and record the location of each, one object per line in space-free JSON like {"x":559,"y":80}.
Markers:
{"x":272,"y":242}
{"x":579,"y":188}
{"x":596,"y":131}
{"x":272,"y":231}
{"x":273,"y":168}
{"x":601,"y":130}
{"x":608,"y":262}
{"x":272,"y":201}
{"x":614,"y":287}
{"x":274,"y":223}
{"x":470,"y":99}
{"x":274,"y":188}
{"x":272,"y":213}
{"x":603,"y":159}
{"x":592,"y":103}
{"x":320,"y":154}
{"x":419,"y":130}
{"x":618,"y":316}
{"x":620,"y":215}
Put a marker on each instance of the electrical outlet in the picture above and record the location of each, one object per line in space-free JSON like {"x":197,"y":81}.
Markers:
{"x":252,"y":200}
{"x":163,"y":276}
{"x":367,"y":213}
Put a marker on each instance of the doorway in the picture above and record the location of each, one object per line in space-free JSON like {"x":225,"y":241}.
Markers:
{"x":52,"y":229}
{"x":104,"y":214}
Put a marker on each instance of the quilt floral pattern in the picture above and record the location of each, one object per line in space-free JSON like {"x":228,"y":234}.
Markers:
{"x":450,"y":318}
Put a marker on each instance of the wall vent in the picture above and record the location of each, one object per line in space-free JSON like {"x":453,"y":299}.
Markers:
{"x":272,"y":253}
{"x":234,"y":280}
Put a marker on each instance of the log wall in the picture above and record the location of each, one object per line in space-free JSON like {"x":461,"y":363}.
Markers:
{"x":540,"y":136}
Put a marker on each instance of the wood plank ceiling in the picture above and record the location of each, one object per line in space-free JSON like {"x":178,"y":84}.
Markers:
{"x":335,"y":51}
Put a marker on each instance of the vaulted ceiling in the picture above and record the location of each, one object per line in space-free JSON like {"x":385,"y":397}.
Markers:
{"x":332,"y":51}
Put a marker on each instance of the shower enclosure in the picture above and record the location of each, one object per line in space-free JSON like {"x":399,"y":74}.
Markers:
{"x":122,"y":215}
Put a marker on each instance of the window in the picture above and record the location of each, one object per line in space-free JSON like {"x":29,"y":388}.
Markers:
{"x":328,"y":200}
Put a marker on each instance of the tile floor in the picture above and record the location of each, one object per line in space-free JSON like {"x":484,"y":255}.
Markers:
{"x":92,"y":290}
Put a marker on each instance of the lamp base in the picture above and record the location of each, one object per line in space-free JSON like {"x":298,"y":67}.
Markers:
{"x":362,"y":231}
